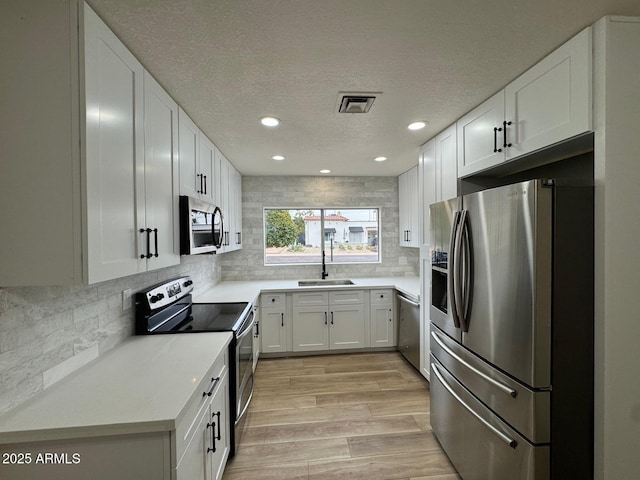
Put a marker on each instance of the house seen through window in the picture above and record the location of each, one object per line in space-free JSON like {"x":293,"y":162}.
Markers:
{"x":346,"y":235}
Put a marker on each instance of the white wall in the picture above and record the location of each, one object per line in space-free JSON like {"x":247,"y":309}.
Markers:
{"x":617,"y":243}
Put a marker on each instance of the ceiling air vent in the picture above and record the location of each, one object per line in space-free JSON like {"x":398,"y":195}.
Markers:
{"x":355,"y":102}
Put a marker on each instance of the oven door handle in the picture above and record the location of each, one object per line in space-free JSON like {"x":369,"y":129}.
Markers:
{"x":247,"y":326}
{"x":244,"y":410}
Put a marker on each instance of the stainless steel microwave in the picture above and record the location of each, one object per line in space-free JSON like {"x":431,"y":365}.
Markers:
{"x":201,"y":226}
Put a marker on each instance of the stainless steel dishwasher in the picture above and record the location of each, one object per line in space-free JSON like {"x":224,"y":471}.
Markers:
{"x":409,"y":329}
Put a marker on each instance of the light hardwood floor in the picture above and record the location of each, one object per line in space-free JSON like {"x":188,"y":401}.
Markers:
{"x":352,"y":416}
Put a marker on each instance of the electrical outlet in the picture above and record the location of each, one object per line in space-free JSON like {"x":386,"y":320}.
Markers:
{"x":127,"y":299}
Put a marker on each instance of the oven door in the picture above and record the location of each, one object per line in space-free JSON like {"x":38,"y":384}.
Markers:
{"x":244,"y":373}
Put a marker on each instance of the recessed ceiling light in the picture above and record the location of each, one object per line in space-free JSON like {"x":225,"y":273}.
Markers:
{"x":278,"y":157}
{"x":417,"y":125}
{"x":325,"y":171}
{"x":270,"y":121}
{"x":380,"y":159}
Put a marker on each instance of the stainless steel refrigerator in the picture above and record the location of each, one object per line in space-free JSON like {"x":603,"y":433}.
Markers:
{"x":512,"y":331}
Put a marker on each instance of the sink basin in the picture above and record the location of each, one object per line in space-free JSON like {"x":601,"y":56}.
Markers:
{"x":319,"y":283}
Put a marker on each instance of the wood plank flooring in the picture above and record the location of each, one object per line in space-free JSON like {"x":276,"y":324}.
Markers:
{"x":352,"y":416}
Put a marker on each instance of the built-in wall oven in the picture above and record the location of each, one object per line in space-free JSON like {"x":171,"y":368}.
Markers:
{"x":168,"y":308}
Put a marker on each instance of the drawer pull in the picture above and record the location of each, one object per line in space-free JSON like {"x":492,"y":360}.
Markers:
{"x":212,"y":449}
{"x":509,"y":441}
{"x":214,"y":382}
{"x":505,"y":388}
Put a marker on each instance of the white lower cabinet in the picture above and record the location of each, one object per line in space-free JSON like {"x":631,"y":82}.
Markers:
{"x":273,"y":323}
{"x":170,"y":428}
{"x":310,"y":328}
{"x":328,"y":320}
{"x":208,"y":449}
{"x":383,"y":321}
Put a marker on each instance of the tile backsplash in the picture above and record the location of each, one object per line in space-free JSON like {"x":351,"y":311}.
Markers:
{"x":318,"y":192}
{"x":48,"y":332}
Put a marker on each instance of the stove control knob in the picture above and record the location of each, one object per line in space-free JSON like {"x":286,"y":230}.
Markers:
{"x":156,"y":298}
{"x":188,"y":283}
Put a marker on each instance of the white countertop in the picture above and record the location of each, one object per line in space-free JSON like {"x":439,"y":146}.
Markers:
{"x":248,"y":291}
{"x":140,"y":386}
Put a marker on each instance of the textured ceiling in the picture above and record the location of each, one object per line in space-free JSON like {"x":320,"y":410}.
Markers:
{"x":229,"y":62}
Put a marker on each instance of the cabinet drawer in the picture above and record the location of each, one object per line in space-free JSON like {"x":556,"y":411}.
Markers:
{"x":272,"y":300}
{"x":381,"y":296}
{"x":346,"y":297}
{"x":200,"y":400}
{"x":309,"y":299}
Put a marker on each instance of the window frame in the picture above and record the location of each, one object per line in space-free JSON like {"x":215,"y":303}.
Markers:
{"x":323,"y":241}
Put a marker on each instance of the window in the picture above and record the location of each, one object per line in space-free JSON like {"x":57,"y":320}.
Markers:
{"x":300,"y":236}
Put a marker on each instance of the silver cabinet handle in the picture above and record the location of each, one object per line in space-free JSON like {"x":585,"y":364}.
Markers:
{"x":509,"y":441}
{"x":505,"y":388}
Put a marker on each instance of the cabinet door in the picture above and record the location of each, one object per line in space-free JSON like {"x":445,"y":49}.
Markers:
{"x":310,"y":329}
{"x":195,"y":462}
{"x":347,"y":326}
{"x":427,"y":185}
{"x":236,"y":194}
{"x":551,"y":102}
{"x":189,"y":146}
{"x":160,"y":175}
{"x":114,"y":153}
{"x":382,"y":325}
{"x":218,"y":452}
{"x":446,"y":165}
{"x":205,"y":175}
{"x":414,"y":219}
{"x":273,"y":330}
{"x":480,"y":137}
{"x":222,"y":173}
{"x":408,"y":208}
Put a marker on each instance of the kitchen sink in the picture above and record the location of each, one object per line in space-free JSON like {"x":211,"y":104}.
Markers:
{"x":319,"y":283}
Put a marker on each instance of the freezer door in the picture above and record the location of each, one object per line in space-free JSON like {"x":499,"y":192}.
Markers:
{"x":479,"y":443}
{"x":509,"y":317}
{"x":441,"y":221}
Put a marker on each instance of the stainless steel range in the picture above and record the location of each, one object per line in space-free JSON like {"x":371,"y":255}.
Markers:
{"x":168,"y":308}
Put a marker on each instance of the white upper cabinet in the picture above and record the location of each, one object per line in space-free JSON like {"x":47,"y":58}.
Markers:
{"x":480,"y":136}
{"x":551,"y":101}
{"x":408,"y":209}
{"x":427,"y":184}
{"x":207,"y":181}
{"x":114,"y":99}
{"x":160,"y":178}
{"x":197,"y":160}
{"x":547,"y":104}
{"x":446,"y":164}
{"x":98,"y":174}
{"x":229,"y":199}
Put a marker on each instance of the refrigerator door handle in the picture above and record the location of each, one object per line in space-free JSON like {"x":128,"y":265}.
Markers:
{"x":467,"y":265}
{"x":458,"y":265}
{"x":505,"y":388}
{"x":452,"y":265}
{"x":506,"y":439}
